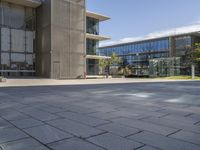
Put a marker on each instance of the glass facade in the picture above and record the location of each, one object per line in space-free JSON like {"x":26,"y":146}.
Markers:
{"x":164,"y":67}
{"x":137,"y":54}
{"x":137,"y":47}
{"x":141,"y":55}
{"x":91,"y":46}
{"x":92,"y":26}
{"x":92,"y":65}
{"x":17,"y":26}
{"x":181,"y":45}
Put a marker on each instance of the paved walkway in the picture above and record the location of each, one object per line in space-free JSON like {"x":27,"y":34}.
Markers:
{"x":50,"y":82}
{"x":123,"y":116}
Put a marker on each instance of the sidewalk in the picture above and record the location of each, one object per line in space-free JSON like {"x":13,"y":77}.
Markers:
{"x":52,"y":82}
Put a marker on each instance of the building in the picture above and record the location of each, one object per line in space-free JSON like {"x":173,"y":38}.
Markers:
{"x":92,"y":42}
{"x":166,"y":55}
{"x":47,"y":38}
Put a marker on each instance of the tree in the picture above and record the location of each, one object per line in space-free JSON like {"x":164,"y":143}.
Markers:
{"x":192,"y":57}
{"x":106,"y":63}
{"x":196,"y":55}
{"x":197,"y":52}
{"x":102,"y":65}
{"x":124,"y":68}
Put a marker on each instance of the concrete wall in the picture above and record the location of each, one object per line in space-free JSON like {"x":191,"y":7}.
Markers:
{"x":43,"y":39}
{"x":68,"y":38}
{"x":62,"y":37}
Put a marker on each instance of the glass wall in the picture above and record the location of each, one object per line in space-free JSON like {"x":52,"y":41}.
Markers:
{"x":91,"y":46}
{"x":182,"y":44}
{"x":92,"y":26}
{"x":142,"y":55}
{"x":164,"y":67}
{"x":92,"y":67}
{"x":17,"y":26}
{"x":136,"y":47}
{"x":137,"y":54}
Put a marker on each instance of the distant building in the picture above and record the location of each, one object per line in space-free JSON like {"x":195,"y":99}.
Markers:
{"x":161,"y":56}
{"x":47,"y":38}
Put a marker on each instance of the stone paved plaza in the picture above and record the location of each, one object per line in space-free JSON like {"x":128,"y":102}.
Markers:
{"x":142,"y":116}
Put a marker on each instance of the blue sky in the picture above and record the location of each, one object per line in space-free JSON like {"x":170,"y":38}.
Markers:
{"x":136,"y":18}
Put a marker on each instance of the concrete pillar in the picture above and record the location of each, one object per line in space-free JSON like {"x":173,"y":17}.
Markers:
{"x":193,"y":71}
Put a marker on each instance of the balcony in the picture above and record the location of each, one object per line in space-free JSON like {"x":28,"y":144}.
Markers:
{"x":97,"y":16}
{"x":29,"y":3}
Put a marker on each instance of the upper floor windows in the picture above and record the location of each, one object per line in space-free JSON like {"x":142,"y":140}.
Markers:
{"x":183,"y":42}
{"x":92,"y":26}
{"x":139,"y":47}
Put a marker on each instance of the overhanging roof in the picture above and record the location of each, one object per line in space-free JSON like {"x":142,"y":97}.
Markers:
{"x":197,"y":33}
{"x":97,"y":16}
{"x":29,"y":3}
{"x":97,"y":37}
{"x":96,"y":57}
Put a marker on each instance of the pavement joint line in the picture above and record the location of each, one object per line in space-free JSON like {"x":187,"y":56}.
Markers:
{"x":144,"y":118}
{"x":188,"y":114}
{"x":15,"y":140}
{"x":164,"y":115}
{"x":174,"y":132}
{"x":149,"y":146}
{"x":31,"y":136}
{"x":67,"y":132}
{"x":159,"y":110}
{"x":196,"y":123}
{"x":99,"y":125}
{"x":104,"y":132}
{"x":59,"y":140}
{"x":184,"y":141}
{"x":95,"y":144}
{"x":143,"y":145}
{"x":78,"y":138}
{"x":133,"y":134}
{"x":77,"y":121}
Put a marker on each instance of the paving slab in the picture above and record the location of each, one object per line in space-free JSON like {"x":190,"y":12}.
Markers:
{"x":173,"y":124}
{"x":103,"y":115}
{"x":195,"y":117}
{"x":26,"y":123}
{"x":185,"y":120}
{"x":80,"y":110}
{"x":4,"y":124}
{"x":75,"y":128}
{"x":47,"y":134}
{"x":148,"y":148}
{"x":11,"y":134}
{"x":162,"y":142}
{"x":168,"y":111}
{"x":50,"y":109}
{"x":14,"y":115}
{"x":40,"y":115}
{"x":113,"y":142}
{"x":74,"y":144}
{"x":23,"y":144}
{"x":176,"y":111}
{"x":187,"y":136}
{"x":146,"y":126}
{"x":82,"y":118}
{"x":119,"y":129}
